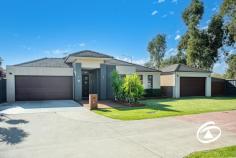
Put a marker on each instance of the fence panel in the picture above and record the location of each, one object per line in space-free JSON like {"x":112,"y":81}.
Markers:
{"x":217,"y":87}
{"x":230,"y":88}
{"x":2,"y":90}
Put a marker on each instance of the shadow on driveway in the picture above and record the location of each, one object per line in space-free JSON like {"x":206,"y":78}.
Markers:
{"x":15,"y":122}
{"x":12,"y":135}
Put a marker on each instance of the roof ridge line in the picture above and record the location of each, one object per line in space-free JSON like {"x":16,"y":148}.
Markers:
{"x":178,"y":66}
{"x":30,"y":61}
{"x":197,"y":69}
{"x":137,"y":64}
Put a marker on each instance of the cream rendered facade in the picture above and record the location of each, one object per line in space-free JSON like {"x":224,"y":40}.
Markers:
{"x":13,"y":71}
{"x":176,"y":91}
{"x":156,"y":79}
{"x":85,"y":62}
{"x":173,"y":80}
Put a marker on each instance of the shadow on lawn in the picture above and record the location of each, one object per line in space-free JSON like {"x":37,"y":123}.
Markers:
{"x":224,"y":98}
{"x":156,"y":107}
{"x":156,"y":101}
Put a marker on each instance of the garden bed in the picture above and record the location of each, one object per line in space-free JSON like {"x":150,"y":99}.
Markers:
{"x":130,"y":104}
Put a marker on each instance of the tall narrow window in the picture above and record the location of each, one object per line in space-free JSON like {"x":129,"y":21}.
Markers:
{"x":122,"y":76}
{"x":150,"y":81}
{"x":141,"y":78}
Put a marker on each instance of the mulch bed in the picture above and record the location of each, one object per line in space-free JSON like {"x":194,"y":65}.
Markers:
{"x":130,"y":104}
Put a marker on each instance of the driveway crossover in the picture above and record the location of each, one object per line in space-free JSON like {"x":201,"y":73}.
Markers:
{"x":76,"y":132}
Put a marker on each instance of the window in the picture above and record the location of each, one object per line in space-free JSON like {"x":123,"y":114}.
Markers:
{"x":150,"y":81}
{"x":141,"y":78}
{"x":122,"y":76}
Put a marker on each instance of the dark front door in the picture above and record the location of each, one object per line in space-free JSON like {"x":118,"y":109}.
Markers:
{"x":192,"y":86}
{"x":43,"y":88}
{"x":85,"y":85}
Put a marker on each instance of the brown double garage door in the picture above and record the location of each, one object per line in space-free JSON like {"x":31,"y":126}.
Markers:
{"x":192,"y":86}
{"x":29,"y":88}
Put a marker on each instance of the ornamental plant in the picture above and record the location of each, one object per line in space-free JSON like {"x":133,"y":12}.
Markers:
{"x":117,"y":85}
{"x":133,"y":88}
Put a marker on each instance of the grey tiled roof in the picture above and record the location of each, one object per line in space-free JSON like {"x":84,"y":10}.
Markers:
{"x":60,"y":62}
{"x":89,"y":53}
{"x":46,"y":62}
{"x":139,"y":68}
{"x":181,"y":68}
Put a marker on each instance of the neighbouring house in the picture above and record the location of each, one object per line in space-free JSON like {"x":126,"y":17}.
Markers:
{"x":180,"y":80}
{"x":73,"y":77}
{"x":2,"y":72}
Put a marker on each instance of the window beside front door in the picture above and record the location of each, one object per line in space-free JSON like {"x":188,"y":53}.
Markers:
{"x":85,"y":85}
{"x":122,"y":76}
{"x":141,"y":78}
{"x":150,"y":81}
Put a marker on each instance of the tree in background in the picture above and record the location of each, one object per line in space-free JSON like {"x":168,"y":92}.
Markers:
{"x":231,"y":71}
{"x":157,"y":49}
{"x":217,"y":75}
{"x":1,"y":69}
{"x":201,"y":45}
{"x":228,"y":11}
{"x":1,"y":61}
{"x":175,"y":59}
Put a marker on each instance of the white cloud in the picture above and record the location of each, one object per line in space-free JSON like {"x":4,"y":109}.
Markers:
{"x":154,"y":12}
{"x":169,"y":36}
{"x":132,"y":60}
{"x":28,"y":48}
{"x":171,"y":51}
{"x":232,"y":51}
{"x":220,"y":67}
{"x":140,"y":61}
{"x":171,"y":12}
{"x":208,"y":21}
{"x":177,"y":37}
{"x":164,"y":16}
{"x":57,"y":52}
{"x":204,"y":27}
{"x":161,"y":1}
{"x":82,"y":44}
{"x":214,"y":9}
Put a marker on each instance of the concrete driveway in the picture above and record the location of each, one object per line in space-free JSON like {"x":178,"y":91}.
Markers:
{"x":22,"y":107}
{"x":77,"y":132}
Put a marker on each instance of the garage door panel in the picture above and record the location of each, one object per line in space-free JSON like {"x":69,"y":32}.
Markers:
{"x":43,"y":87}
{"x":192,"y":86}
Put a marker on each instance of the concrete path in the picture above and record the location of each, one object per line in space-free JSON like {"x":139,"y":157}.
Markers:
{"x":79,"y":133}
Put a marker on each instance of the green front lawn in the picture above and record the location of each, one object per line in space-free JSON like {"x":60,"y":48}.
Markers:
{"x":155,"y":108}
{"x":227,"y":152}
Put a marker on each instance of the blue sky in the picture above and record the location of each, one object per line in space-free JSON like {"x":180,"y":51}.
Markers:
{"x":32,"y":29}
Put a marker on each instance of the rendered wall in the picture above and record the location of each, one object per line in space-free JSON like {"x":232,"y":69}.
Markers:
{"x":12,"y":71}
{"x":176,"y":93}
{"x":77,"y":81}
{"x":156,"y":79}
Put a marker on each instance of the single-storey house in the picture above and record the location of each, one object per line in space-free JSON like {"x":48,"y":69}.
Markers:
{"x":180,"y":80}
{"x":73,"y":77}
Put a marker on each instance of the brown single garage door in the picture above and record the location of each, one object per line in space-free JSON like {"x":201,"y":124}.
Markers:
{"x":43,"y":88}
{"x":192,"y":86}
